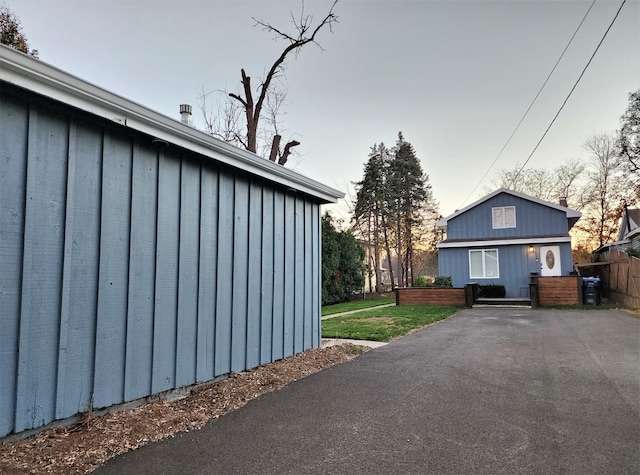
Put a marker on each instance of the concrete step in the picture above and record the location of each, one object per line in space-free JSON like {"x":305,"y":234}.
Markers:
{"x":503,"y":302}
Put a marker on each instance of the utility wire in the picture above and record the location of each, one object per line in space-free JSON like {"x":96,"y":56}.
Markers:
{"x":568,"y":96}
{"x":530,"y":105}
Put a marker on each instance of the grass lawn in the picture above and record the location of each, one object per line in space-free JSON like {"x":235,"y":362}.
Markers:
{"x":385,"y":323}
{"x":355,"y":305}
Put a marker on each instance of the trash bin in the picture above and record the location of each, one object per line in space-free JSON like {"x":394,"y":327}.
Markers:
{"x":591,"y":291}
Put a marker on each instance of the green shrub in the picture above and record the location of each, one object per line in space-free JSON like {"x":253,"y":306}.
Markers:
{"x":342,"y":263}
{"x":491,"y":291}
{"x":633,"y":252}
{"x":443,"y":281}
{"x":423,"y":281}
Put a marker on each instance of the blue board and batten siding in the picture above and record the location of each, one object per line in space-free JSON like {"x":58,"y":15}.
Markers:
{"x":129,"y":269}
{"x":532,"y":219}
{"x":537,"y":223}
{"x":515,"y":263}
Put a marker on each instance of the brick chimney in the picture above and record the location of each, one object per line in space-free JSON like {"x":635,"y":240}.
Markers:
{"x":563,"y":201}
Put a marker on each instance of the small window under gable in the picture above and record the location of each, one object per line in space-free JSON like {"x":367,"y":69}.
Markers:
{"x":503,"y":217}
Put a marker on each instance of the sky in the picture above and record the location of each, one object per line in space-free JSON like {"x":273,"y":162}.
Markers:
{"x":454,"y":76}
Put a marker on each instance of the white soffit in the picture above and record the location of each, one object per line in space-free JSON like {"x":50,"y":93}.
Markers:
{"x":504,"y":242}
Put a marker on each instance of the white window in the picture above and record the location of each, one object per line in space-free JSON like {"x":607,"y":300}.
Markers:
{"x":503,"y":217}
{"x":483,"y":264}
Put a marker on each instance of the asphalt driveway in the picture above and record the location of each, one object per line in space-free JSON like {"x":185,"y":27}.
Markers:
{"x":484,"y":392}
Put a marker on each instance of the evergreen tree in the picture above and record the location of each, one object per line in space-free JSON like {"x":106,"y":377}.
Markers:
{"x":342,"y":263}
{"x":369,"y":209}
{"x":409,"y":195}
{"x":394,"y":206}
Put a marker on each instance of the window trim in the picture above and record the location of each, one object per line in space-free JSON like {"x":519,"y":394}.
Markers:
{"x":484,"y":264}
{"x":504,"y":223}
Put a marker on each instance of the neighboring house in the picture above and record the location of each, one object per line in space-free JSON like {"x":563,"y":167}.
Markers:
{"x":370,"y":277}
{"x":503,"y":238}
{"x":137,"y":254}
{"x":629,"y":223}
{"x":628,"y":234}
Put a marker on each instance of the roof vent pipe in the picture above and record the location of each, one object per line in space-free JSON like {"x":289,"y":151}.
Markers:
{"x":185,"y":114}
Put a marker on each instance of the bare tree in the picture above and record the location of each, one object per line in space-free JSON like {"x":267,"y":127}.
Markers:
{"x":629,"y":134}
{"x":538,"y":182}
{"x":608,"y":185}
{"x":563,"y":181}
{"x":568,"y":185}
{"x":263,"y":104}
{"x":223,"y":120}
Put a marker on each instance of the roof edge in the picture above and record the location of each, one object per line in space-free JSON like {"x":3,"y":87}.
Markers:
{"x":503,"y":242}
{"x":21,"y":70}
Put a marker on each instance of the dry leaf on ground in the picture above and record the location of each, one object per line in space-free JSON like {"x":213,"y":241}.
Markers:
{"x":82,"y":447}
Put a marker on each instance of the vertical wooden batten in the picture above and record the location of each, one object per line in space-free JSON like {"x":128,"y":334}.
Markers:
{"x":138,"y":255}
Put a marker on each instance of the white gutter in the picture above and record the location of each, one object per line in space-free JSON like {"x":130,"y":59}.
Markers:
{"x":503,"y":242}
{"x":34,"y":75}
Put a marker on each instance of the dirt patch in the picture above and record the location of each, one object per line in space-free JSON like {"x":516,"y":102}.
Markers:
{"x":83,"y":447}
{"x":387,"y":320}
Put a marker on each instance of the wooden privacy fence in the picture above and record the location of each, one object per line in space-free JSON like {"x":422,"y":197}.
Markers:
{"x":621,"y":278}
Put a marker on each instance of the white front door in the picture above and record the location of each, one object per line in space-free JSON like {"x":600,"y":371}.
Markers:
{"x":550,"y":260}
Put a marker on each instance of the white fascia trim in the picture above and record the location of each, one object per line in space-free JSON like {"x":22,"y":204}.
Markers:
{"x":504,"y":242}
{"x":34,"y":75}
{"x":632,"y":233}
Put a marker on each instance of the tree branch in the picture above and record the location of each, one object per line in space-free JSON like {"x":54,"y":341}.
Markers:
{"x":287,"y":151}
{"x":296,"y":43}
{"x":275,"y":147}
{"x":235,"y":96}
{"x":254,"y":108}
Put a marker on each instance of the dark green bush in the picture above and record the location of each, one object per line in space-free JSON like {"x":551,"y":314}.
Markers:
{"x":491,"y":291}
{"x":443,"y":281}
{"x":342,"y":263}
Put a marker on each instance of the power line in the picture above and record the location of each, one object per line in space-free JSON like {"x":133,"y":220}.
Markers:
{"x":530,"y":105}
{"x":568,"y":96}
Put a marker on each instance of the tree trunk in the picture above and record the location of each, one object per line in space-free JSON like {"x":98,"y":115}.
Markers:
{"x":252,"y":119}
{"x":386,"y":243}
{"x":408,"y":266}
{"x":275,"y":147}
{"x":376,"y":248}
{"x":409,"y":261}
{"x":287,"y":151}
{"x":369,"y":252}
{"x":399,"y":251}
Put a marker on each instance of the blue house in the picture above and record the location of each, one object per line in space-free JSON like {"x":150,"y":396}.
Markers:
{"x":504,"y":237}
